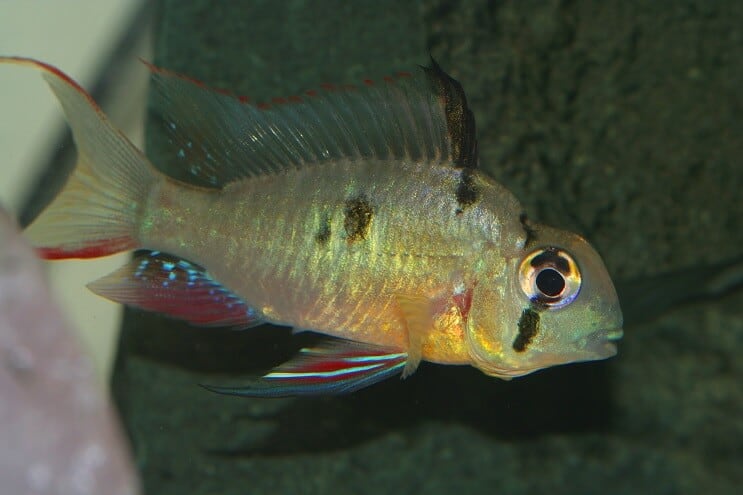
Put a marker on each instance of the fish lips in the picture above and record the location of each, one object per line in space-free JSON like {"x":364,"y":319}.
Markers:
{"x":600,"y":344}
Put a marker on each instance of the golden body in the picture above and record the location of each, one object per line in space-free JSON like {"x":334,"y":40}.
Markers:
{"x":282,"y":242}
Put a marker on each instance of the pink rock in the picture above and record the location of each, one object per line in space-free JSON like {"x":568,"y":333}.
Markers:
{"x":59,"y":433}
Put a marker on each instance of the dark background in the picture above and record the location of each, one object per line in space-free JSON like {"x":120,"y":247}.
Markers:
{"x":620,"y":120}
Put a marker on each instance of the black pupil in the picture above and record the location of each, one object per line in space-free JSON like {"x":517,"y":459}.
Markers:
{"x":550,"y":282}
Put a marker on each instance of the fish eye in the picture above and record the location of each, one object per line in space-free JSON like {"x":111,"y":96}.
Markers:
{"x":550,"y":277}
{"x":550,"y":282}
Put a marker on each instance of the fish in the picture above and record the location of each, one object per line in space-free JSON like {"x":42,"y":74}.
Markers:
{"x":359,"y":212}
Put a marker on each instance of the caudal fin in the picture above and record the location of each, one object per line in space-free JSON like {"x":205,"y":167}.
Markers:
{"x":97,"y":211}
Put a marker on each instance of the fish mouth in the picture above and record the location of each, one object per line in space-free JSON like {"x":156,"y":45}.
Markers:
{"x":601,"y":344}
{"x":597,"y":345}
{"x":611,"y":335}
{"x":614,"y":334}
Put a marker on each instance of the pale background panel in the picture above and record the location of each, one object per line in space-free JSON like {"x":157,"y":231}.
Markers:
{"x":77,"y":36}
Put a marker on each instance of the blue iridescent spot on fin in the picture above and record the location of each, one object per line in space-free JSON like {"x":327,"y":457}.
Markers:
{"x":332,"y":367}
{"x":159,"y":282}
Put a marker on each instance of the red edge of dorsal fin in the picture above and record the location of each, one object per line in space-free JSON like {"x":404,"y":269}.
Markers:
{"x":326,"y":88}
{"x":197,"y":82}
{"x":277,"y":100}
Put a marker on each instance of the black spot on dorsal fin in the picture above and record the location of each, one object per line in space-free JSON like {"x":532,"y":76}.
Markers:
{"x":460,"y":120}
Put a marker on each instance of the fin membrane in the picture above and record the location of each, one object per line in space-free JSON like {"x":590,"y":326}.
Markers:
{"x":331,"y":368}
{"x":96,"y":213}
{"x":177,"y":288}
{"x":220,"y":138}
{"x":416,"y":312}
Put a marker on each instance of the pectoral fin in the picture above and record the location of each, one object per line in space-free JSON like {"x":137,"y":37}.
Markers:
{"x":416,"y":313}
{"x":333,"y":367}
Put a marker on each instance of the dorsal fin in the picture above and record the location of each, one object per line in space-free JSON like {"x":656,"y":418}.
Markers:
{"x":219,"y":137}
{"x":460,"y":121}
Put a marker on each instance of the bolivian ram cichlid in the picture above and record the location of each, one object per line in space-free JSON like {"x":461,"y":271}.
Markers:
{"x":354,"y":211}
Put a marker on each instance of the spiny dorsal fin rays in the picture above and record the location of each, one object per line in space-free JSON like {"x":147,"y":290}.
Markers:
{"x":220,"y":138}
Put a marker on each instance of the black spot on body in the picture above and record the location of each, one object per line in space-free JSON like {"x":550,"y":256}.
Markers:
{"x":467,"y":192}
{"x":358,"y":215}
{"x":460,"y":121}
{"x":528,"y":329}
{"x":324,"y":231}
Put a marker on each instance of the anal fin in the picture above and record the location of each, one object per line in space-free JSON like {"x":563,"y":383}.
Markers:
{"x":333,"y":367}
{"x":177,"y":288}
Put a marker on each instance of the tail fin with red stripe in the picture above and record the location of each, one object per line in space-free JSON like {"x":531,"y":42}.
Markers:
{"x":97,"y":211}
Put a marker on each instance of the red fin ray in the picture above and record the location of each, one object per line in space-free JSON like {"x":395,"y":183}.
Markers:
{"x":331,"y":368}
